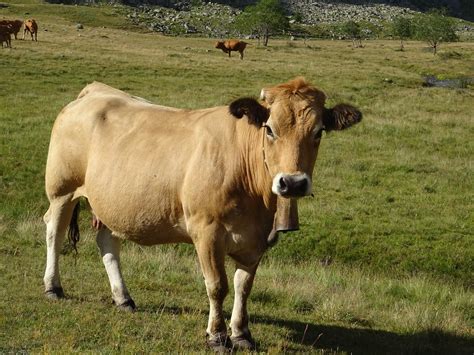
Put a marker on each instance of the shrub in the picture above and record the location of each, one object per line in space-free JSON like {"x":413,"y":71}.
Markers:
{"x":402,"y":28}
{"x":434,"y":28}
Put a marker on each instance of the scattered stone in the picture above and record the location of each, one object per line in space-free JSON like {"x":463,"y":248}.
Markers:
{"x":454,"y":83}
{"x":211,"y":19}
{"x":79,"y":26}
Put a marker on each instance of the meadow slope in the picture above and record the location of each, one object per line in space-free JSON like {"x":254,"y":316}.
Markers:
{"x":385,"y":257}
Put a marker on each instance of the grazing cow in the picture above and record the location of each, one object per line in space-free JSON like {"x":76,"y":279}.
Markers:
{"x":225,"y":179}
{"x":15,"y":26}
{"x":232,"y":45}
{"x":32,"y":27}
{"x":5,"y":35}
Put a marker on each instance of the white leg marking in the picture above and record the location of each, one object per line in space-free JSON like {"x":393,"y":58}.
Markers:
{"x":110,"y":251}
{"x":57,"y":219}
{"x":243,"y":281}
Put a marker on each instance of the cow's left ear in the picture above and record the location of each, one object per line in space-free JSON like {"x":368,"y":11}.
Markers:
{"x":341,"y":117}
{"x":256,"y":113}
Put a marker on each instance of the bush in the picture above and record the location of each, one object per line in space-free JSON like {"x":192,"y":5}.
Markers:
{"x":434,"y":28}
{"x":264,"y":19}
{"x":402,"y":28}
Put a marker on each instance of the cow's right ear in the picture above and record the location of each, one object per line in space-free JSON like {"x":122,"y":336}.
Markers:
{"x":256,"y":113}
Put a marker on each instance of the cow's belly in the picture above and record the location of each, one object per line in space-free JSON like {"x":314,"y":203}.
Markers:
{"x":146,"y":216}
{"x":143,"y":224}
{"x":155,"y":233}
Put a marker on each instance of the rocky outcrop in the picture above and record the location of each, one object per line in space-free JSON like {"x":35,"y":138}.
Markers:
{"x":461,"y":8}
{"x":215,"y":18}
{"x":211,"y":19}
{"x":315,"y":12}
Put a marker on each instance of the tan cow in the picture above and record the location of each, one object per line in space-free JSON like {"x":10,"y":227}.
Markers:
{"x":225,"y":179}
{"x":32,"y":27}
{"x":232,"y":45}
{"x":15,"y":26}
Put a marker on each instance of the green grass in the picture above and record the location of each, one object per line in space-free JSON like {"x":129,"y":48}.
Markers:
{"x":308,"y":307}
{"x":384,"y":259}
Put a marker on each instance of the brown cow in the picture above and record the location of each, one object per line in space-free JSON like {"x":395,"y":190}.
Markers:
{"x":32,"y":27}
{"x":5,"y":35}
{"x":225,"y":179}
{"x":15,"y":26}
{"x":232,"y":45}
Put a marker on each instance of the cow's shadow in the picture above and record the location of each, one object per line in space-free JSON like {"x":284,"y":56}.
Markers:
{"x":331,"y":338}
{"x":369,"y":341}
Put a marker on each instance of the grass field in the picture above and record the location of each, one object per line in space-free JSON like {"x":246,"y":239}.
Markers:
{"x":385,"y":257}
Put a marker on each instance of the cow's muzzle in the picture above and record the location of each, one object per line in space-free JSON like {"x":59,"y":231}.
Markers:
{"x":291,"y":185}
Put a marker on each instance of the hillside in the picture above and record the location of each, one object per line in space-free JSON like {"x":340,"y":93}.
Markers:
{"x":314,"y":11}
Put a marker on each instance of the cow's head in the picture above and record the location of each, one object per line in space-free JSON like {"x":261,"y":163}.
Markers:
{"x":219,"y":44}
{"x":294,"y":117}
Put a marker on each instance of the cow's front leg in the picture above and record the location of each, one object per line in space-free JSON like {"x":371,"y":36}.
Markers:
{"x":110,"y":251}
{"x":211,"y":252}
{"x":243,"y":281}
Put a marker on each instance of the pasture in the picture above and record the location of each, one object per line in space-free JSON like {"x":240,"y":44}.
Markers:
{"x":384,"y":259}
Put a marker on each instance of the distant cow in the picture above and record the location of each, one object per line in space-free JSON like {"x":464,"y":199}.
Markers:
{"x":15,"y":26}
{"x":232,"y":45}
{"x":32,"y":27}
{"x":225,"y":179}
{"x":5,"y":35}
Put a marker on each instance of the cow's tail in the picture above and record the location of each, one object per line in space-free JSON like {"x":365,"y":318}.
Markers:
{"x":73,"y":232}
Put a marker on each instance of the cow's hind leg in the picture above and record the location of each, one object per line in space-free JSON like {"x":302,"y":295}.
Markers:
{"x":57,"y":219}
{"x":110,"y":251}
{"x":243,"y":281}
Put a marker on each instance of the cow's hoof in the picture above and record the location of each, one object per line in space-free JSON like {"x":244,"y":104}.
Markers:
{"x":220,"y":343}
{"x":54,"y":293}
{"x":127,"y":306}
{"x":243,"y":343}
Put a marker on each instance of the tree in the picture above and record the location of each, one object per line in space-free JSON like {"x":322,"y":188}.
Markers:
{"x":263,"y":19}
{"x":434,"y":28}
{"x":353,"y":31}
{"x":402,"y":27}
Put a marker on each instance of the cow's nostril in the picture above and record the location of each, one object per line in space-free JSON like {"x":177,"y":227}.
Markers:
{"x":283,"y":185}
{"x":302,"y":186}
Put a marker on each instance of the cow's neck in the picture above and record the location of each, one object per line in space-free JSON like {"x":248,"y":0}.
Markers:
{"x":257,"y":181}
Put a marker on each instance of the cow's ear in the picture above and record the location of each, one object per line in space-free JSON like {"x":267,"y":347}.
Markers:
{"x":267,"y":96}
{"x":256,"y":113}
{"x":341,"y":117}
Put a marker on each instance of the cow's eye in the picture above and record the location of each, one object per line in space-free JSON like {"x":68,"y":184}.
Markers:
{"x":319,"y":134}
{"x":269,"y":132}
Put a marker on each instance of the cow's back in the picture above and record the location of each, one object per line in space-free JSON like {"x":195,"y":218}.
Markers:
{"x":235,"y":44}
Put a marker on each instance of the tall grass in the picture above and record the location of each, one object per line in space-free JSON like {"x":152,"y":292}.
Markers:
{"x":384,"y":259}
